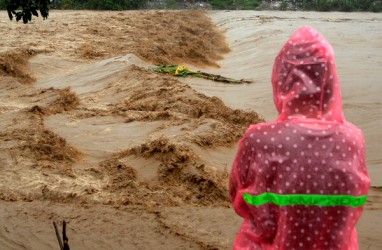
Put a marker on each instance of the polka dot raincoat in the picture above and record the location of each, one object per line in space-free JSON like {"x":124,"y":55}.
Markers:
{"x":310,"y":151}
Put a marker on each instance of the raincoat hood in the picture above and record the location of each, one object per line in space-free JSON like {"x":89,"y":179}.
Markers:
{"x":304,"y":78}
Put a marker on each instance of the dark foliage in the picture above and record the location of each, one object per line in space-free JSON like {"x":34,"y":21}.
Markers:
{"x":235,"y":4}
{"x":341,"y":5}
{"x":103,"y":4}
{"x":320,"y":5}
{"x":27,"y":9}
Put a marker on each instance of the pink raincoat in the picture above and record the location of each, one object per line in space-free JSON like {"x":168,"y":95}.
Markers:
{"x":310,"y":149}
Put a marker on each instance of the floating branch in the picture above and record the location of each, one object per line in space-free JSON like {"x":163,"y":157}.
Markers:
{"x":183,"y":71}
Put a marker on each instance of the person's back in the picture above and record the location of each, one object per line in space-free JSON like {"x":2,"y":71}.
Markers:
{"x":300,"y":182}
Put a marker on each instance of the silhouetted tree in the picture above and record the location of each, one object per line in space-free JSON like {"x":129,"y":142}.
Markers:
{"x":28,"y":8}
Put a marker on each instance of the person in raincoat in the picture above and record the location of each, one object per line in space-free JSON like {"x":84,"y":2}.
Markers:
{"x":301,"y":181}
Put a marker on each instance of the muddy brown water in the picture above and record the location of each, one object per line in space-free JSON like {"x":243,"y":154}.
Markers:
{"x":141,"y":160}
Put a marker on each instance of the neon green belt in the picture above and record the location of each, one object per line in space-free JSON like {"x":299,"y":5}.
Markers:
{"x":305,"y":199}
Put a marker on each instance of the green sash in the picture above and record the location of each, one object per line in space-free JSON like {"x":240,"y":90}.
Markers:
{"x":305,"y":199}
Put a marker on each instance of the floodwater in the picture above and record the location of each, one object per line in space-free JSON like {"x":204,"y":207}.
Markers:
{"x":136,"y":160}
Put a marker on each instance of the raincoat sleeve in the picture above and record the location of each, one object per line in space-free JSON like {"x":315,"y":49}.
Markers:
{"x":258,"y":225}
{"x":237,"y":179}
